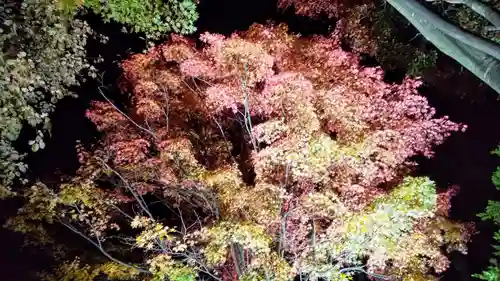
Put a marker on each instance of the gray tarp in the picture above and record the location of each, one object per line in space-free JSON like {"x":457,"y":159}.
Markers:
{"x":478,"y":55}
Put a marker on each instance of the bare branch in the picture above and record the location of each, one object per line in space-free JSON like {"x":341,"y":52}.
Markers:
{"x":247,"y":116}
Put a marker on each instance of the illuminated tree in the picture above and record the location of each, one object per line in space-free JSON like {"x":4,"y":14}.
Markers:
{"x":273,"y":155}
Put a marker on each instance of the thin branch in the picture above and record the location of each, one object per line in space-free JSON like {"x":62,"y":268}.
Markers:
{"x":213,"y":118}
{"x":128,"y":241}
{"x":166,"y":112}
{"x":138,"y":197}
{"x":99,"y":246}
{"x":126,"y":116}
{"x":313,"y":239}
{"x":282,"y":238}
{"x":183,"y":231}
{"x":198,"y":219}
{"x":227,"y":140}
{"x":195,"y":259}
{"x":236,"y":263}
{"x":205,"y":81}
{"x":185,"y":83}
{"x":119,"y":210}
{"x":248,"y":119}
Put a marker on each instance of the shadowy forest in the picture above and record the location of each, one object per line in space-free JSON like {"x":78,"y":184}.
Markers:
{"x":216,"y":140}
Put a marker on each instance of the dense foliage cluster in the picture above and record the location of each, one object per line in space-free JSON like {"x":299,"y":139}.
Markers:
{"x":76,"y":270}
{"x":43,"y":54}
{"x":153,"y":17}
{"x":316,"y":8}
{"x":311,"y":8}
{"x":271,"y":156}
{"x":372,"y":28}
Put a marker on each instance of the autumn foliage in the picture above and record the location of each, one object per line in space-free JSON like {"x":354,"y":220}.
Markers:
{"x":275,"y":155}
{"x":316,"y":8}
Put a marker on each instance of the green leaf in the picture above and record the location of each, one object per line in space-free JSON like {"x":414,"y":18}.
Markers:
{"x":495,"y":178}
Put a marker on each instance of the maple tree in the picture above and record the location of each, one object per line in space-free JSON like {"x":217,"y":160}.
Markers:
{"x":272,"y":155}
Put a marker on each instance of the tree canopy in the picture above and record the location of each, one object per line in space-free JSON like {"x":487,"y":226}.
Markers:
{"x":264,"y":154}
{"x":271,"y":155}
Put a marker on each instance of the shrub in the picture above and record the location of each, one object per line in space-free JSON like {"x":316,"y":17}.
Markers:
{"x":43,"y":54}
